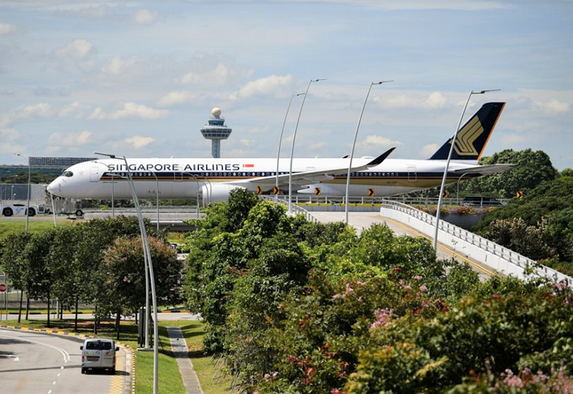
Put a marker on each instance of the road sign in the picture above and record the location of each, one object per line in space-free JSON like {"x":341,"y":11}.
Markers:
{"x":519,"y":194}
{"x":371,"y":192}
{"x":445,"y":194}
{"x":317,"y":191}
{"x":259,"y":190}
{"x":276,"y":190}
{"x":3,"y":287}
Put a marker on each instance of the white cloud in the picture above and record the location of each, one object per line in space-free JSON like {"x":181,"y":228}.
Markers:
{"x":220,"y":73}
{"x":435,"y":100}
{"x":246,"y":142}
{"x":174,"y":98}
{"x":466,"y":5}
{"x":269,"y":86}
{"x":552,"y":107}
{"x":144,"y":17}
{"x":75,"y":110}
{"x":117,"y":66}
{"x":7,"y":134}
{"x":377,"y":141}
{"x":6,"y":28}
{"x":58,"y":140}
{"x":211,"y":71}
{"x":138,"y":142}
{"x":130,"y":110}
{"x":429,"y":150}
{"x":40,"y":110}
{"x":76,"y":49}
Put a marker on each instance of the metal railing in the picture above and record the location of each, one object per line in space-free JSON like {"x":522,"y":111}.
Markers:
{"x":296,"y":210}
{"x":504,"y":253}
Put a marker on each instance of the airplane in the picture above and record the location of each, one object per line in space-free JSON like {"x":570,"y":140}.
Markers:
{"x":211,"y":180}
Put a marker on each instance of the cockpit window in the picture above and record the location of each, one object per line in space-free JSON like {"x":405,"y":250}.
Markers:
{"x":68,"y":174}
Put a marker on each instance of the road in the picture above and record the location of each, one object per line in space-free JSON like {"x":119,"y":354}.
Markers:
{"x":35,"y":363}
{"x":362,"y":220}
{"x":70,"y":316}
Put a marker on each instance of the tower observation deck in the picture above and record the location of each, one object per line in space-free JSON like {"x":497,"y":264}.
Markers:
{"x":216,"y":130}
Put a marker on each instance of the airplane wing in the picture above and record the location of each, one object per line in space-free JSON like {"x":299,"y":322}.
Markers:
{"x":306,"y":177}
{"x":486,"y":169}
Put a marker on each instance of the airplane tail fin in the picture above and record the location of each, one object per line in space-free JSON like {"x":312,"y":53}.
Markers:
{"x":473,"y":136}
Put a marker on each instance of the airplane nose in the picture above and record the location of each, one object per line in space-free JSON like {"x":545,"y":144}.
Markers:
{"x":53,"y":187}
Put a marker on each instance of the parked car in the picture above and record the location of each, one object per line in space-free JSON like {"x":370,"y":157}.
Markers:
{"x":20,"y":209}
{"x":481,"y":201}
{"x":98,"y":354}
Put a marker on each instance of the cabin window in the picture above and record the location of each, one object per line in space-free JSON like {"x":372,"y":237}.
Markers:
{"x":68,"y":174}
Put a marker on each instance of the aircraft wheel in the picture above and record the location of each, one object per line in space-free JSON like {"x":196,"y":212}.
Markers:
{"x":7,"y":212}
{"x":79,"y":212}
{"x":31,"y":212}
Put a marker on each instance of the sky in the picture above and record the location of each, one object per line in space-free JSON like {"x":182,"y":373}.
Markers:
{"x":139,"y":78}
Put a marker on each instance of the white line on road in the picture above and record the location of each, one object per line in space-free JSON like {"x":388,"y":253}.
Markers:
{"x":64,"y":353}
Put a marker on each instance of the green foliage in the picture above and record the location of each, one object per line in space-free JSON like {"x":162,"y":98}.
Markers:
{"x":531,"y":169}
{"x":300,"y":307}
{"x":496,"y":334}
{"x":124,"y":273}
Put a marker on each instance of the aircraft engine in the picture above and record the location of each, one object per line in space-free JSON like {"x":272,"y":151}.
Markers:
{"x":212,"y":192}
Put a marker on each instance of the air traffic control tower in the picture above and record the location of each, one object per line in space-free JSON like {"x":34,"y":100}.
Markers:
{"x":216,"y":131}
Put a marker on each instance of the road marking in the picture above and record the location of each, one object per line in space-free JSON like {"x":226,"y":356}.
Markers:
{"x":54,"y":382}
{"x":64,"y":353}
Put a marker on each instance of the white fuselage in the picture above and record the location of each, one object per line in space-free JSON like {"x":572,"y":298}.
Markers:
{"x":185,"y":178}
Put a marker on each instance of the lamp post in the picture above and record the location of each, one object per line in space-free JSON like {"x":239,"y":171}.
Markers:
{"x":281,"y":138}
{"x":293,"y":141}
{"x":449,"y":159}
{"x":354,"y":145}
{"x":148,"y":268}
{"x":28,"y":203}
{"x":458,"y":192}
{"x":157,"y":196}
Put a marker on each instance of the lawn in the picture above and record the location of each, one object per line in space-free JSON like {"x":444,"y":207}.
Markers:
{"x":34,"y":226}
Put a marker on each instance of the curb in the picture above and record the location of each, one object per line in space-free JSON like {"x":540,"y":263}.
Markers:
{"x":49,"y":331}
{"x":81,"y":337}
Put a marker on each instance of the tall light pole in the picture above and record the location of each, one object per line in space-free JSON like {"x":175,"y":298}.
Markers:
{"x":148,"y":268}
{"x":293,"y":141}
{"x":281,"y":137}
{"x":157,"y":196}
{"x":449,"y":159}
{"x":354,"y":145}
{"x":28,"y":204}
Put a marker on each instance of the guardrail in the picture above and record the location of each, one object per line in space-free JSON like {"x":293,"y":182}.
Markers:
{"x":295,"y":208}
{"x":506,"y":260}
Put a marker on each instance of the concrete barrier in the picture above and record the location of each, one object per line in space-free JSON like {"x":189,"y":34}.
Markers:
{"x":471,"y":245}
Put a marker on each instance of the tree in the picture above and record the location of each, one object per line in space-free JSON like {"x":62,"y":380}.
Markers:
{"x":531,"y":169}
{"x":124,"y":273}
{"x":15,"y":264}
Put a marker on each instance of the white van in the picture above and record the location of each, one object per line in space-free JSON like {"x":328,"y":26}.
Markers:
{"x":98,"y":354}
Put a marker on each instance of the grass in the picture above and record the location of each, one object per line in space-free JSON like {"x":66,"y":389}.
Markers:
{"x":34,"y":226}
{"x":170,"y":381}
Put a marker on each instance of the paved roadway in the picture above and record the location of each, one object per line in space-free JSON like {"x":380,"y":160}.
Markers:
{"x":35,"y":363}
{"x":70,"y":316}
{"x":362,"y":220}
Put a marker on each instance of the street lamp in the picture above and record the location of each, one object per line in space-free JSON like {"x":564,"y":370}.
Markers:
{"x":281,"y":138}
{"x":448,"y":162}
{"x":354,"y":144}
{"x":293,"y":141}
{"x":28,"y":204}
{"x":148,"y":268}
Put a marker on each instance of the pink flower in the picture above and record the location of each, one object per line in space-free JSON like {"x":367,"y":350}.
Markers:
{"x":349,"y":289}
{"x":267,"y":376}
{"x":417,"y":277}
{"x":407,"y":287}
{"x":383,"y":317}
{"x":423,"y":289}
{"x":336,"y":296}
